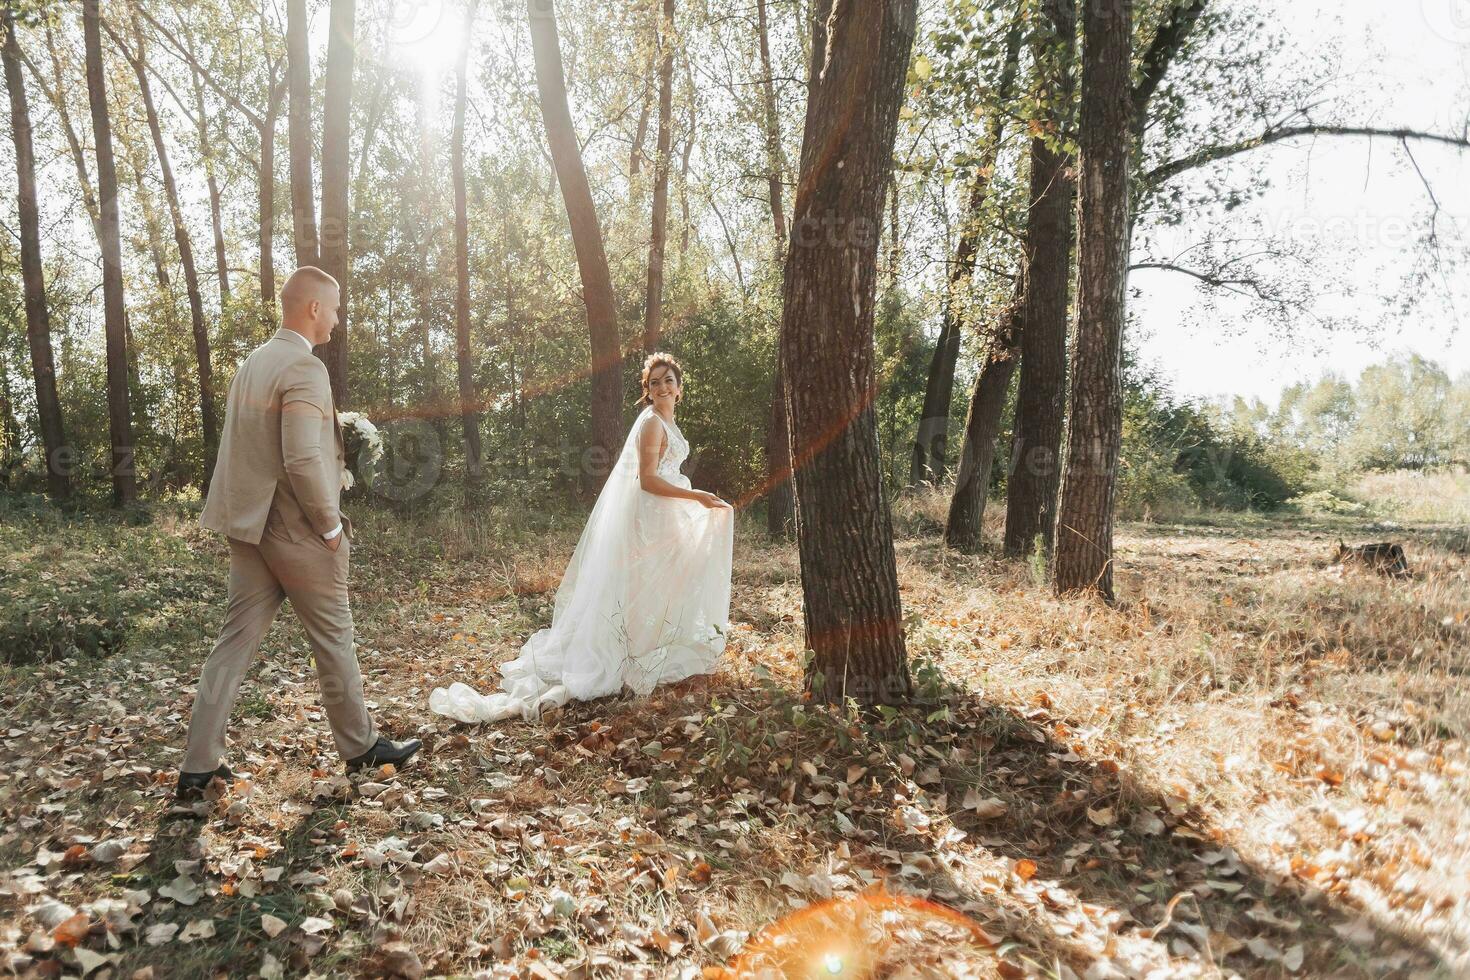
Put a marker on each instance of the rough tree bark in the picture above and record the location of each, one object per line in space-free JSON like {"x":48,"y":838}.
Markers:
{"x":298,"y":134}
{"x":120,"y":428}
{"x":1084,"y":533}
{"x":469,"y":409}
{"x":654,"y":305}
{"x":204,"y":372}
{"x":931,"y":444}
{"x":1035,"y":463}
{"x":336,"y":183}
{"x":597,"y":291}
{"x":853,"y":617}
{"x":33,"y":273}
{"x":780,"y":500}
{"x":962,"y":529}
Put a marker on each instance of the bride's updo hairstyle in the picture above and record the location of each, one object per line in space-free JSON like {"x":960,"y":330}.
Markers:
{"x":659,"y":359}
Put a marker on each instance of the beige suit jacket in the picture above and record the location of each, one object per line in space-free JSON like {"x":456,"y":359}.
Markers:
{"x":281,"y":448}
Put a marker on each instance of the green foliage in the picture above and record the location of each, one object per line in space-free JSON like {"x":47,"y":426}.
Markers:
{"x":90,"y":587}
{"x":1327,"y":502}
{"x":1178,"y":456}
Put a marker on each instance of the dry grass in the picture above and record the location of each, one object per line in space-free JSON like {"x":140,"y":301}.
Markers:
{"x":1252,"y":753}
{"x":1441,"y":496}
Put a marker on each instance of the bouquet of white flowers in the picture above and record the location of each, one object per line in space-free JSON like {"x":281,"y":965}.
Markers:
{"x":362,"y":444}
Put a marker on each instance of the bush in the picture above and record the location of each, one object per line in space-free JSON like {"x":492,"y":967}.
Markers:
{"x":1327,"y":502}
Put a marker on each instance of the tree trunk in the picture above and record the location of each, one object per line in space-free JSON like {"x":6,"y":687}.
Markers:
{"x":964,"y":527}
{"x":120,"y":429}
{"x":931,"y":444}
{"x":216,"y":211}
{"x":1031,"y":490}
{"x":469,"y":411}
{"x":684,"y":162}
{"x":336,"y":181}
{"x":775,"y":177}
{"x":424,"y":275}
{"x":597,"y":291}
{"x":654,"y":306}
{"x":298,"y":135}
{"x":10,"y":435}
{"x":853,"y":618}
{"x":57,"y":97}
{"x":780,"y":500}
{"x":266,"y":186}
{"x":1084,"y":536}
{"x":204,"y":372}
{"x":38,"y":319}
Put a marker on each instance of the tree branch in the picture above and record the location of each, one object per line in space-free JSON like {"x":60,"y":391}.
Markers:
{"x":1218,"y":282}
{"x":180,"y":51}
{"x":1210,"y":154}
{"x":1173,"y":32}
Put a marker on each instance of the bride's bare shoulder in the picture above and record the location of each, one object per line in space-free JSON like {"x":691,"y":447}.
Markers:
{"x":651,"y":432}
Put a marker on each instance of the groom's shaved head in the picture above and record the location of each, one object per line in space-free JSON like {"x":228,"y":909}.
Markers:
{"x":309,"y":302}
{"x":304,"y":285}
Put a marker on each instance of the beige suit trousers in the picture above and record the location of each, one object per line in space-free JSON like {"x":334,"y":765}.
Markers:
{"x":314,"y":578}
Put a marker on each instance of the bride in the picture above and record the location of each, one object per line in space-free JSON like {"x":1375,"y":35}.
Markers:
{"x":646,"y":596}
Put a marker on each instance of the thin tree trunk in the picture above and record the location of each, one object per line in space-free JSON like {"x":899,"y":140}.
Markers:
{"x":120,"y":429}
{"x":780,"y":500}
{"x":298,"y":135}
{"x":640,"y":133}
{"x":424,"y":274}
{"x":1084,"y":535}
{"x":216,"y":210}
{"x":597,"y":291}
{"x":10,"y":434}
{"x":204,"y":372}
{"x":265,"y":127}
{"x":336,"y":182}
{"x":849,"y":579}
{"x":654,"y":305}
{"x":57,"y":97}
{"x":963,"y":529}
{"x":469,"y":411}
{"x":931,"y":444}
{"x":1031,"y":491}
{"x":33,"y":276}
{"x":684,"y":164}
{"x":266,"y":185}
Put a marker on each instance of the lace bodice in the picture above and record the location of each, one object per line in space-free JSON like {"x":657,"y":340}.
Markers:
{"x":674,"y":453}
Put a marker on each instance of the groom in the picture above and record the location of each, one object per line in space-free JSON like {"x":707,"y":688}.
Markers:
{"x":274,"y":495}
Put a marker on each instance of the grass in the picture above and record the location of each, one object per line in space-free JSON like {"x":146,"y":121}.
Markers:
{"x":1252,"y":752}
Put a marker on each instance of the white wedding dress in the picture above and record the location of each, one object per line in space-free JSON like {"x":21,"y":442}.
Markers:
{"x":645,"y":598}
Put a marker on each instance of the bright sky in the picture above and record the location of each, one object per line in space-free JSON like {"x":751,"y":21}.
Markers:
{"x":1408,"y":62}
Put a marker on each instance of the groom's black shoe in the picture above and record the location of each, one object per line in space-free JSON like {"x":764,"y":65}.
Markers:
{"x":193,"y":784}
{"x":385,"y":751}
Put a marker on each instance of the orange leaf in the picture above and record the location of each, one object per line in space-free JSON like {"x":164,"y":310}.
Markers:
{"x":1025,"y":869}
{"x":73,"y":930}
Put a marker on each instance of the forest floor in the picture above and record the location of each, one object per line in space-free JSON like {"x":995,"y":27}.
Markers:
{"x":1255,"y":764}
